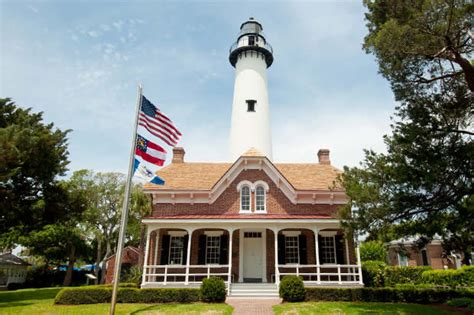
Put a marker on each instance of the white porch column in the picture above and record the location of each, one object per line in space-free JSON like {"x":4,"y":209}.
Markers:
{"x":229,"y":275}
{"x":316,"y":253}
{"x":145,"y":258}
{"x":155,"y":257}
{"x":359,"y":265}
{"x":277,"y":270}
{"x":188,"y":255}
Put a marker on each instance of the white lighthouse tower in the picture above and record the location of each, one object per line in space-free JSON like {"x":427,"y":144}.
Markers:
{"x":251,"y":55}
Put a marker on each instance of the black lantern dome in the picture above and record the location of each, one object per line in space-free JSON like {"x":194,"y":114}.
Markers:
{"x":251,"y":38}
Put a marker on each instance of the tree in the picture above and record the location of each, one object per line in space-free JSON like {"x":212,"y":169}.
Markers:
{"x":420,"y":43}
{"x":373,"y":250}
{"x":104,"y":194}
{"x":140,"y":207}
{"x":33,"y":155}
{"x":62,"y":240}
{"x":424,"y":184}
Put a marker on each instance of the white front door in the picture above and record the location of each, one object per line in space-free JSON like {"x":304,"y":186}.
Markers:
{"x":253,"y":256}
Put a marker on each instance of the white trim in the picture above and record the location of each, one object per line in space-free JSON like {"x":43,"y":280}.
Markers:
{"x":213,"y":233}
{"x":177,"y":233}
{"x":291,"y":233}
{"x":262,"y":183}
{"x":244,"y":183}
{"x":249,"y":210}
{"x":241,"y":255}
{"x":224,"y":220}
{"x":327,"y":233}
{"x":264,"y":251}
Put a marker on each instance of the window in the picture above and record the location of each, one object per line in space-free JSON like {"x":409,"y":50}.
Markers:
{"x":176,"y":250}
{"x":252,"y":234}
{"x":213,"y":246}
{"x":292,"y":250}
{"x":251,"y":105}
{"x":328,"y":250}
{"x":245,"y":198}
{"x":260,"y":198}
{"x":402,"y":259}
{"x":251,"y":40}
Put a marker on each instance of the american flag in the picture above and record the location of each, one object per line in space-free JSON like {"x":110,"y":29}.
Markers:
{"x":153,"y":120}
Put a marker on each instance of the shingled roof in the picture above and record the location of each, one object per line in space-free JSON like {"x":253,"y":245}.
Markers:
{"x":203,"y":176}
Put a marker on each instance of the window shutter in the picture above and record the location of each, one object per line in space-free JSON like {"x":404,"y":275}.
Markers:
{"x":339,"y":249}
{"x":281,"y":249}
{"x":165,"y":250}
{"x":320,"y":250}
{"x":202,"y":250}
{"x":303,"y":249}
{"x":185,"y":249}
{"x":224,"y":252}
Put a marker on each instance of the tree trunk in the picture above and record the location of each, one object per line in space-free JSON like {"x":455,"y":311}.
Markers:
{"x":141,"y":246}
{"x":108,"y":252}
{"x":97,"y":260}
{"x":70,"y":266}
{"x":466,"y":260}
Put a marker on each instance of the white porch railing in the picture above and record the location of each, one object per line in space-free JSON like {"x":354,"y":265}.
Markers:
{"x":178,"y":274}
{"x":323,"y":274}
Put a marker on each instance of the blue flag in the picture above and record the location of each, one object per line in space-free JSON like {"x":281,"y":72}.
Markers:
{"x":144,"y":173}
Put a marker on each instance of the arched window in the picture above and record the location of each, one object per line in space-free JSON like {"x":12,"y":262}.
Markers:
{"x":245,"y":198}
{"x":260,"y":198}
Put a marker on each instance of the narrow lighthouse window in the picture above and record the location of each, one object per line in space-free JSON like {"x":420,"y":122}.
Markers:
{"x":260,"y":198}
{"x":251,"y":105}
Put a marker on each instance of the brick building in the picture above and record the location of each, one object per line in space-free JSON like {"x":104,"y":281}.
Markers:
{"x":251,"y":220}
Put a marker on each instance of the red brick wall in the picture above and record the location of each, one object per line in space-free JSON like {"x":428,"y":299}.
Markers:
{"x":129,"y":256}
{"x":433,"y":251}
{"x":229,"y":201}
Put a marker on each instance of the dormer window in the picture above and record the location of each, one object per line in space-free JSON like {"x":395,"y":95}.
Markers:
{"x":260,"y":199}
{"x":251,"y":105}
{"x":245,"y":198}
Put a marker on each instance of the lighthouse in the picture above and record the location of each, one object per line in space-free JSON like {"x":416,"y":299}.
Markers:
{"x":250,"y":55}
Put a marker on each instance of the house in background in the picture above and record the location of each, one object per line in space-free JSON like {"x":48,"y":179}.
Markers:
{"x":130,"y":258}
{"x":13,"y":269}
{"x":251,"y":221}
{"x":406,"y":252}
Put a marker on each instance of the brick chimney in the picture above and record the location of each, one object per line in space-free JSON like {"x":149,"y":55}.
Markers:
{"x":323,"y":156}
{"x":178,"y":155}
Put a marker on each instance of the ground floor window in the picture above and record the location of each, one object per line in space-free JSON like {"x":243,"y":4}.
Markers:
{"x":213,"y":246}
{"x":328,"y":250}
{"x":176,"y":250}
{"x":291,"y":250}
{"x":402,"y":260}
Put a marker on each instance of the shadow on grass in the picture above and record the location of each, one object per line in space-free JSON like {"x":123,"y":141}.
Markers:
{"x":15,"y":304}
{"x":392,"y":308}
{"x":28,"y":294}
{"x":147,"y":308}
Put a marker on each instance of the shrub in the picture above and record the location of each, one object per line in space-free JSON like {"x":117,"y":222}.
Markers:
{"x":213,"y":290}
{"x":373,"y":250}
{"x":103,"y":294}
{"x":400,"y":275}
{"x":373,"y":273}
{"x":133,"y":275}
{"x":463,"y":277}
{"x":292,"y":289}
{"x":422,"y":296}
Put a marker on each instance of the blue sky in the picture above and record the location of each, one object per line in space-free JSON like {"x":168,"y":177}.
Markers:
{"x":80,"y":62}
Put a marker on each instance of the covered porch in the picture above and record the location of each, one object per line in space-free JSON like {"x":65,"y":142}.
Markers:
{"x":183,"y":252}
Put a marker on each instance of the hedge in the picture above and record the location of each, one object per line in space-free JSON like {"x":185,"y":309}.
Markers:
{"x":463,"y":277}
{"x":213,"y":290}
{"x":421,"y":296}
{"x":399,"y":275}
{"x":103,"y":294}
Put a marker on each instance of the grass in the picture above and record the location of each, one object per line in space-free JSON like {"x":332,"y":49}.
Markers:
{"x":350,"y":308}
{"x":40,"y":301}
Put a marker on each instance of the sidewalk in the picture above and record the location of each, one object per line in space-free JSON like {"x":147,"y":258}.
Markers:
{"x":254,"y":306}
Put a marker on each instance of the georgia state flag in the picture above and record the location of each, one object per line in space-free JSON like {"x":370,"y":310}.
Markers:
{"x":149,"y":151}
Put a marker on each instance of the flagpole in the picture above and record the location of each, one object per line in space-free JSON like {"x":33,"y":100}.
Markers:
{"x":126,"y":202}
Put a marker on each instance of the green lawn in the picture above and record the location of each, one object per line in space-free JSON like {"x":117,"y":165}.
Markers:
{"x":349,"y":308}
{"x":40,"y":301}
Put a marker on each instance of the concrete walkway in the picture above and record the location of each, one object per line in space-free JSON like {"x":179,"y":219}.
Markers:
{"x":252,"y":306}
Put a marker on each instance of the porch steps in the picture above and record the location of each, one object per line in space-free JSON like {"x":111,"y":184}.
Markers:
{"x":269,"y":290}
